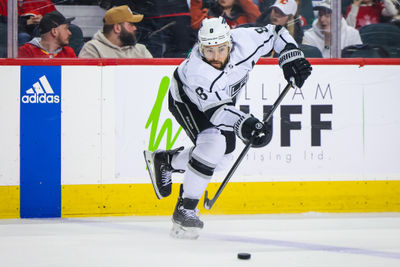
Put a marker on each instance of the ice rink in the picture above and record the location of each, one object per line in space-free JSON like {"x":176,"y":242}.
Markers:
{"x":311,"y":239}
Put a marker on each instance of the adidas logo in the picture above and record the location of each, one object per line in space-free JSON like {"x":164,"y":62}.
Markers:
{"x":41,"y":93}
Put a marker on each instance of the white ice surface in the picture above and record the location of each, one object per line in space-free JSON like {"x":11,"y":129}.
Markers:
{"x":311,"y":239}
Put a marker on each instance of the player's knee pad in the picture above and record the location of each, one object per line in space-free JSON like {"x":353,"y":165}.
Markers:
{"x":208,"y":152}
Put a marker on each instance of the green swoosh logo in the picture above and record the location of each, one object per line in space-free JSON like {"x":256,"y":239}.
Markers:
{"x":153,"y":120}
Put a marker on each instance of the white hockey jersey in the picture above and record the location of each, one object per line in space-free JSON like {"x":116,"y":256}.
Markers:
{"x":214,"y":91}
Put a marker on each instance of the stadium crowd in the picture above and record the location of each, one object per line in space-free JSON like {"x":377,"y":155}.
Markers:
{"x":168,"y":29}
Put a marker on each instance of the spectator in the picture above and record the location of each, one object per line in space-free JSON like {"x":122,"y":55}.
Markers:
{"x":304,"y":10}
{"x":345,"y":4}
{"x":396,"y":19}
{"x":320,"y":33}
{"x":235,"y":12}
{"x":3,"y":28}
{"x":53,"y":41}
{"x":165,"y":28}
{"x":365,"y":12}
{"x":284,"y":13}
{"x":118,"y":37}
{"x":30,"y":12}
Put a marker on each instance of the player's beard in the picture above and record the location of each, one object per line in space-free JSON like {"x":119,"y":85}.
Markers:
{"x":219,"y":64}
{"x":127,"y":38}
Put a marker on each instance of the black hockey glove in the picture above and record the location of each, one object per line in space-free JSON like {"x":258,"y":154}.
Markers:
{"x":249,"y":128}
{"x":293,"y":63}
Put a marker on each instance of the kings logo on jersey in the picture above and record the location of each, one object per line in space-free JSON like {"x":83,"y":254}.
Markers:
{"x":236,"y":87}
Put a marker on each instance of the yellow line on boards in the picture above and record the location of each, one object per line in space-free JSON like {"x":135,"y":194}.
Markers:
{"x":237,"y":198}
{"x":9,"y":202}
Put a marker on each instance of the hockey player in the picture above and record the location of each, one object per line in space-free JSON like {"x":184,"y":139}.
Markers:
{"x":202,"y":98}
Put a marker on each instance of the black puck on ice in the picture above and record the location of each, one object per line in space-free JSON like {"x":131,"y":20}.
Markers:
{"x":244,"y":256}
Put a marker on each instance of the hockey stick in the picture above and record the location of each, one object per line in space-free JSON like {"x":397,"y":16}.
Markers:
{"x":208,"y":203}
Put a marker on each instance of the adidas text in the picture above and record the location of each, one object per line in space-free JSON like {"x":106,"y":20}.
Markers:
{"x":42,"y":98}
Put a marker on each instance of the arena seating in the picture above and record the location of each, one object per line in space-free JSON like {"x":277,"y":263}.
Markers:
{"x":88,"y":18}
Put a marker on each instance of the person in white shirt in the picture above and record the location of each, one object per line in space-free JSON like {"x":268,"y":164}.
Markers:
{"x":320,"y":33}
{"x":202,"y":98}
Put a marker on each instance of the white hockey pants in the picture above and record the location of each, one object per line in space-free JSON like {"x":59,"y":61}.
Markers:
{"x":200,"y":162}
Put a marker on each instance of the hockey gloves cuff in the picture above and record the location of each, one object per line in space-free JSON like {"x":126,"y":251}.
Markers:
{"x":250,"y":129}
{"x":294,"y":65}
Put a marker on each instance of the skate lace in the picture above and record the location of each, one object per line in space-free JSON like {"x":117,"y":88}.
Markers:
{"x":165,"y":175}
{"x":190,"y":214}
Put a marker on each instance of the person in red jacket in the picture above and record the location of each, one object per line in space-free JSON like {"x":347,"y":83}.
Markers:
{"x":365,"y":12}
{"x":53,"y":41}
{"x":235,"y":12}
{"x":35,"y":8}
{"x":30,"y":12}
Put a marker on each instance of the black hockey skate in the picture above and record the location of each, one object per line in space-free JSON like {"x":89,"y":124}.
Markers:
{"x":160,"y":170}
{"x":186,"y":223}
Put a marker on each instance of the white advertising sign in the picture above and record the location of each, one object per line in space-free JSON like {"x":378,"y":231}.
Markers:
{"x":341,"y":125}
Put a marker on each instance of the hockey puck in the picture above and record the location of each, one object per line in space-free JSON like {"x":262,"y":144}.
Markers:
{"x":244,"y":256}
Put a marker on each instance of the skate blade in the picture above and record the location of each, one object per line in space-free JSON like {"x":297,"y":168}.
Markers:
{"x":150,"y":167}
{"x":180,"y":232}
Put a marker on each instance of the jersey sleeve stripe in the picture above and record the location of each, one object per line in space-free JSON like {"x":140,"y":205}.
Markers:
{"x":215,"y":113}
{"x":231,"y":111}
{"x":221,"y":110}
{"x":219,"y":98}
{"x":181,"y":93}
{"x":175,"y":88}
{"x":283,"y":39}
{"x":258,"y":48}
{"x":212,"y":85}
{"x":217,"y":104}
